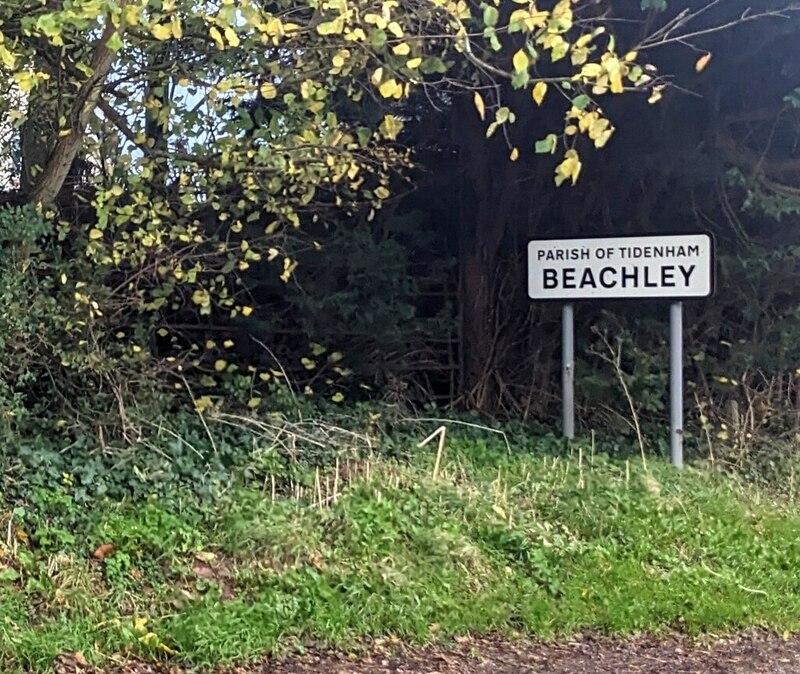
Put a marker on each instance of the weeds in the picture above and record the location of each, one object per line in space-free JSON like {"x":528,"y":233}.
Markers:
{"x":368,"y":547}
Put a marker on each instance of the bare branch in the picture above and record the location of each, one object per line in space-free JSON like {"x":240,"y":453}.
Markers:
{"x":666,"y":35}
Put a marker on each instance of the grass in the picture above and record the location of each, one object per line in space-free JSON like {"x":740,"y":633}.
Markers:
{"x":518,"y":544}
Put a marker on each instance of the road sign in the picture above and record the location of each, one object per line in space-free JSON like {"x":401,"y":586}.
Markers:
{"x":643,"y":267}
{"x":670,"y":267}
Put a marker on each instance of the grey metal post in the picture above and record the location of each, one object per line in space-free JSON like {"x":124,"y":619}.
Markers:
{"x":568,"y":370}
{"x":676,"y":383}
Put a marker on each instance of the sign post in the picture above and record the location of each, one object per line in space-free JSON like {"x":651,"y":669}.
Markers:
{"x":676,"y":383}
{"x":568,"y":370}
{"x":663,"y":267}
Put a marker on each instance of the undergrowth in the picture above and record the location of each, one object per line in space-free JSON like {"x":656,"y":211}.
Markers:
{"x":517,"y":542}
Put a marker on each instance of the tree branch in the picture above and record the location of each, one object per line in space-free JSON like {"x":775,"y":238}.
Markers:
{"x":68,"y":146}
{"x":665,"y":37}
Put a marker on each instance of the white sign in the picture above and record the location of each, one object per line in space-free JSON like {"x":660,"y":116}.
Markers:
{"x":621,"y":267}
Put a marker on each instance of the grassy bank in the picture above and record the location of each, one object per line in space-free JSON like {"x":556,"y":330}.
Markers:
{"x":513,"y":543}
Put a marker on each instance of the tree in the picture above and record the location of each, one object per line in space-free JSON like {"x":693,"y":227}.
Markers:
{"x":209,"y":134}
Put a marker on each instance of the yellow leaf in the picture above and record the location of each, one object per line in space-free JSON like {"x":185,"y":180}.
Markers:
{"x":337,"y":397}
{"x":246,"y":311}
{"x":202,"y":404}
{"x":265,"y":376}
{"x":161,"y":31}
{"x":211,"y":344}
{"x":331,"y":27}
{"x":631,"y":56}
{"x":8,"y":58}
{"x":228,"y":343}
{"x":520,"y":61}
{"x":539,"y":92}
{"x":402,"y":49}
{"x":253,"y":403}
{"x":657,"y":94}
{"x":702,"y":62}
{"x":390,"y":127}
{"x":389,"y":88}
{"x":591,"y":70}
{"x":220,"y":365}
{"x":414,"y":63}
{"x":395,"y":29}
{"x":376,"y":20}
{"x":381,"y":192}
{"x":514,"y":154}
{"x":177,"y":28}
{"x":268,"y":90}
{"x":616,"y":82}
{"x":604,"y":137}
{"x":570,"y":168}
{"x":288,"y":269}
{"x":231,"y":37}
{"x":479,"y":105}
{"x":217,"y":37}
{"x":131,"y":13}
{"x":95,"y":234}
{"x":25,"y":81}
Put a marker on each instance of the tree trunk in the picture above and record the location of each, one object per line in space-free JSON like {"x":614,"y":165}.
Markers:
{"x":66,"y":149}
{"x":488,"y":205}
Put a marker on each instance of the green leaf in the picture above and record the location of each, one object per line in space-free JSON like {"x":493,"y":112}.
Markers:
{"x":547,"y":145}
{"x":656,"y":5}
{"x":9,"y":575}
{"x":490,"y":16}
{"x":581,"y":102}
{"x":48,"y":25}
{"x":433,"y":65}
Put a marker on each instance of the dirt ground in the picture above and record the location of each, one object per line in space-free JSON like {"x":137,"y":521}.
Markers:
{"x":753,"y":653}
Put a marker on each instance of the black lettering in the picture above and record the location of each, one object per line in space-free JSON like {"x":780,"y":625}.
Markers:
{"x":587,"y":279}
{"x":648,"y":282}
{"x":669,"y":251}
{"x":585,"y":254}
{"x":540,"y":254}
{"x":550,"y":279}
{"x":694,"y":250}
{"x":658,"y":251}
{"x":630,"y":275}
{"x":687,"y":273}
{"x":569,"y":277}
{"x":603,"y":272}
{"x":667,"y":277}
{"x":561,"y":255}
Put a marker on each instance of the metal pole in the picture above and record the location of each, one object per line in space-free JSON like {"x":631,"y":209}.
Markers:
{"x":568,"y":370}
{"x":676,"y":383}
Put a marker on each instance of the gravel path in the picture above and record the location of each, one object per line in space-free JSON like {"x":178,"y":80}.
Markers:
{"x":752,"y":653}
